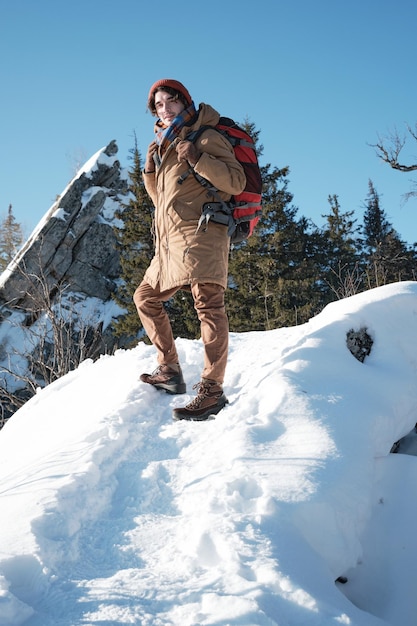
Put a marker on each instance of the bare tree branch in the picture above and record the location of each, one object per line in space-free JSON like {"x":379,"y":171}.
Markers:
{"x":57,"y":336}
{"x":412,"y":132}
{"x":388,"y":149}
{"x":349,"y":281}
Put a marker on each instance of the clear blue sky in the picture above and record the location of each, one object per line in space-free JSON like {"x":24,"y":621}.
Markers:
{"x":320,"y":79}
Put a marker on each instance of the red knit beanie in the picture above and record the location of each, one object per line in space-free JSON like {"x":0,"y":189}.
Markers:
{"x":169,"y":82}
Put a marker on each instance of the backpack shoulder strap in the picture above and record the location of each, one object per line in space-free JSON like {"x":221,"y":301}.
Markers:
{"x":195,"y":134}
{"x":224,"y":122}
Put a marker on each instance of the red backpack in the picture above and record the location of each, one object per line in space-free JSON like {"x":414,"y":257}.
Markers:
{"x":242,"y":212}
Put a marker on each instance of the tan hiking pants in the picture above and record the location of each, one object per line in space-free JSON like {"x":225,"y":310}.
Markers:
{"x":209,"y":304}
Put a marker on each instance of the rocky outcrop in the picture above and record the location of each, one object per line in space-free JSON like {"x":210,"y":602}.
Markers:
{"x":359,"y":343}
{"x":74,"y":243}
{"x":56,"y":306}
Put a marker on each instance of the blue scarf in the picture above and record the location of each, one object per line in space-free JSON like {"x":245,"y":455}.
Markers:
{"x":165,"y":135}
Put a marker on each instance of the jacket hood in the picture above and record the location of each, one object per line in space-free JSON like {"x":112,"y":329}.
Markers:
{"x":207,"y":116}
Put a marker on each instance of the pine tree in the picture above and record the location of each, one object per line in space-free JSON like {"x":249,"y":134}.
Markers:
{"x":274,"y":275}
{"x":11,"y":238}
{"x":375,"y":224}
{"x":135,"y":241}
{"x":343,"y":274}
{"x":387,"y":257}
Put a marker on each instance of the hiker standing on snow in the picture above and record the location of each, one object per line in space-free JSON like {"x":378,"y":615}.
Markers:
{"x":187,"y":256}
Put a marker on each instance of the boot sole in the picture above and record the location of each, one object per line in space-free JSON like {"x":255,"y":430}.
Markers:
{"x":173,"y":390}
{"x":177,"y":417}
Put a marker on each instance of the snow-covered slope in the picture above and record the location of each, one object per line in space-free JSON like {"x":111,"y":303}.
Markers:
{"x":113,"y":514}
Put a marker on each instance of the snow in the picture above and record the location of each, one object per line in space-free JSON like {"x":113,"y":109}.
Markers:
{"x":113,"y":514}
{"x":17,"y":339}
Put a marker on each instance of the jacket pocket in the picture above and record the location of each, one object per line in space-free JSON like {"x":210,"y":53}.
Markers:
{"x":187,"y":211}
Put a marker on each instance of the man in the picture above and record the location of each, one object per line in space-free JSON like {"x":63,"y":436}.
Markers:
{"x":186,"y":255}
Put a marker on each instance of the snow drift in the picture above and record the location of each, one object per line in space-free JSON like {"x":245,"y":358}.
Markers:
{"x":113,"y":514}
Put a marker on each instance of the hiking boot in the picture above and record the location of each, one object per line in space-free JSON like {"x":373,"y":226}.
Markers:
{"x":167,"y":378}
{"x":209,"y":400}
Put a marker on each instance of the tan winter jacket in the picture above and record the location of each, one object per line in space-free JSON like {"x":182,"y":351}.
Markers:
{"x":182,"y":255}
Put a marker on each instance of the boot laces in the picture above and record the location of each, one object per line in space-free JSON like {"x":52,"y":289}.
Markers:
{"x":202,"y":389}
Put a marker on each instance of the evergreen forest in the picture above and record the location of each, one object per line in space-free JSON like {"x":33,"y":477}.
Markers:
{"x":286,"y":272}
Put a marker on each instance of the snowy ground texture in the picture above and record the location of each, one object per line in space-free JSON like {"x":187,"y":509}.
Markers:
{"x":113,"y":514}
